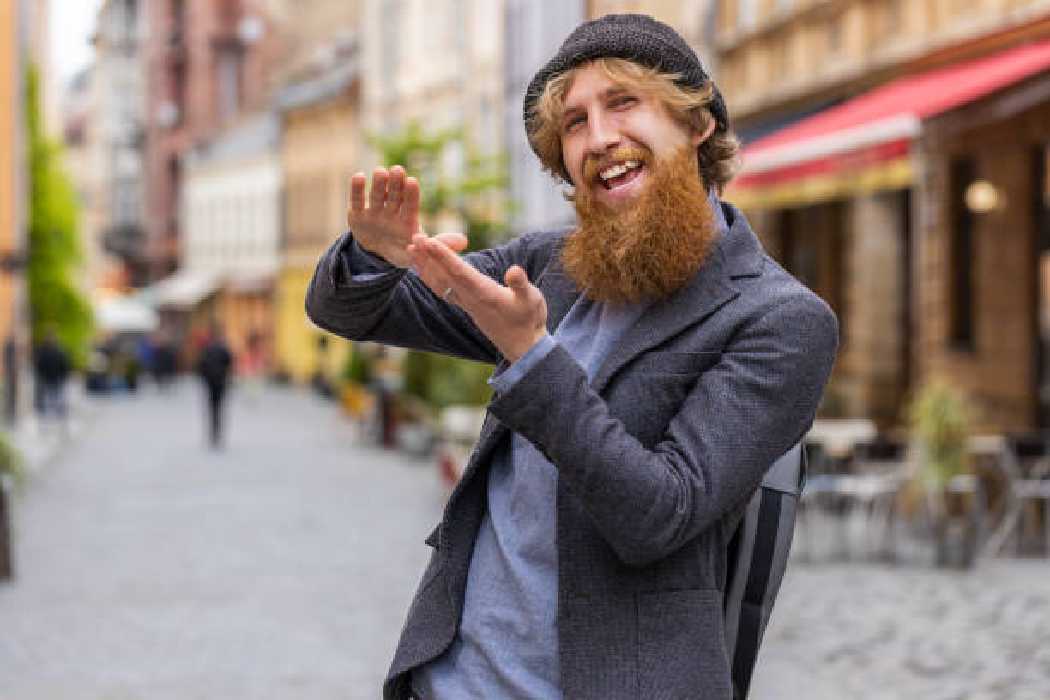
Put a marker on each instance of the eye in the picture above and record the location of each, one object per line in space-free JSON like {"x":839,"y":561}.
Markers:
{"x":622,"y":101}
{"x":572,"y":122}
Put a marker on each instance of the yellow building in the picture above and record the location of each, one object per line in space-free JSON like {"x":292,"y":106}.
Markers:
{"x":320,"y":150}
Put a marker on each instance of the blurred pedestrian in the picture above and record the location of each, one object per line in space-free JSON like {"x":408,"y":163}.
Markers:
{"x":10,"y":379}
{"x":252,"y":366}
{"x":51,"y":368}
{"x":165,"y":361}
{"x":213,"y":366}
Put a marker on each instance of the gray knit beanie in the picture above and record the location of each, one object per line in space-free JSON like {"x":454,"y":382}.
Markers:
{"x":638,"y":38}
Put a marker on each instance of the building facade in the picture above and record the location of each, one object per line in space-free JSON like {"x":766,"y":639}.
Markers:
{"x":118,"y":108}
{"x":845,"y":176}
{"x":321,"y":144}
{"x":534,"y":31}
{"x":438,"y":63}
{"x":84,"y":161}
{"x":12,"y":163}
{"x":231,"y":212}
{"x":206,"y":62}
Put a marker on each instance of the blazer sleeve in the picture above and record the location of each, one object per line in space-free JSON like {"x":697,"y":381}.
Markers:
{"x":741,"y":415}
{"x":362,"y":300}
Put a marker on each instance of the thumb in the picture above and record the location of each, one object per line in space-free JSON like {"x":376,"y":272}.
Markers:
{"x":455,"y":241}
{"x":517,"y":280}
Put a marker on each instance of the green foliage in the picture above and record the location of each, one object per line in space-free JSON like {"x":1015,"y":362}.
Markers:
{"x":476,"y":196}
{"x":11,"y":463}
{"x":940,"y":418}
{"x":53,"y":245}
{"x":442,"y":381}
{"x":358,"y":367}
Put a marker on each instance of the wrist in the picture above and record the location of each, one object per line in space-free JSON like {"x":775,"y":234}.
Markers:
{"x":518,"y":352}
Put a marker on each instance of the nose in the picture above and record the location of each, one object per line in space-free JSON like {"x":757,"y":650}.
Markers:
{"x":602,"y":135}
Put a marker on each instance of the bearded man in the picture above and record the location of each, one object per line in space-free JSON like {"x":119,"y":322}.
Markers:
{"x":651,"y":364}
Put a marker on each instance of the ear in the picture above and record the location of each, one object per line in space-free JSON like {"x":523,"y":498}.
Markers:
{"x":700,"y":136}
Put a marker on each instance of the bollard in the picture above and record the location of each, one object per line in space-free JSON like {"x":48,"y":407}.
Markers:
{"x":6,"y":567}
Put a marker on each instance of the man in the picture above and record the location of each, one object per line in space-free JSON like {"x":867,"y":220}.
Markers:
{"x":214,"y":366}
{"x":52,"y":367}
{"x":652,"y":363}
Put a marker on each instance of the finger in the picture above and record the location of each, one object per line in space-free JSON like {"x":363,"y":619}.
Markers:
{"x":431,"y":274}
{"x":410,"y":203}
{"x":357,"y":192}
{"x":378,"y":195}
{"x":467,"y":281}
{"x":395,"y":189}
{"x":455,"y":241}
{"x":517,"y":280}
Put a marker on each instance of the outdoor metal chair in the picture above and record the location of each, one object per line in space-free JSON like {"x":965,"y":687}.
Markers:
{"x":1031,"y":489}
{"x":858,"y":504}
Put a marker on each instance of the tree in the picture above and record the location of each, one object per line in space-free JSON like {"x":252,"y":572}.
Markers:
{"x":476,"y":197}
{"x":53,"y":245}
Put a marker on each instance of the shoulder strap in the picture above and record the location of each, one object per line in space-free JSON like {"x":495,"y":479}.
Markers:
{"x":757,"y":559}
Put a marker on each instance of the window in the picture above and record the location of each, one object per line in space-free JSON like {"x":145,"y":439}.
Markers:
{"x":391,"y":34}
{"x":962,"y":171}
{"x":746,"y":14}
{"x":229,"y":67}
{"x":835,"y":41}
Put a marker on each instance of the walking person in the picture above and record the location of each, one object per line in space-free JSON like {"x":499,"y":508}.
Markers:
{"x":213,"y":367}
{"x":652,"y":362}
{"x":51,"y":367}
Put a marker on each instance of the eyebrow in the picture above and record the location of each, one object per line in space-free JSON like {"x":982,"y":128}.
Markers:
{"x":606,"y":94}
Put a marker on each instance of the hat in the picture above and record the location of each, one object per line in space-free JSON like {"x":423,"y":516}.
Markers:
{"x":637,"y":38}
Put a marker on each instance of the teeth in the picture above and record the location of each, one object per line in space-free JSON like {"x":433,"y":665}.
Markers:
{"x":618,"y":170}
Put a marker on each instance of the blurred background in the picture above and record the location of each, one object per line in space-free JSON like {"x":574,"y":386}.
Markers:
{"x":171,"y":171}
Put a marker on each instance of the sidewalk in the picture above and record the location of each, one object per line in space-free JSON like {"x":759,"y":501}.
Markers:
{"x":41,"y":441}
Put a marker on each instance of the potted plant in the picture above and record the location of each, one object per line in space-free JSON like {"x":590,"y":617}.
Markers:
{"x":940,"y":419}
{"x":11,"y":475}
{"x":357,"y":376}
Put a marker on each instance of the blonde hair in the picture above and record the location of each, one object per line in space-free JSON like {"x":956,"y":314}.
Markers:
{"x":717,"y":155}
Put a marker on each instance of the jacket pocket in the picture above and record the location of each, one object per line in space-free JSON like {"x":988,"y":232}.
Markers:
{"x":681,"y":646}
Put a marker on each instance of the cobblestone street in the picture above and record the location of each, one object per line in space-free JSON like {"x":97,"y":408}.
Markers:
{"x":149,"y":567}
{"x":867,"y":632}
{"x":281,"y":567}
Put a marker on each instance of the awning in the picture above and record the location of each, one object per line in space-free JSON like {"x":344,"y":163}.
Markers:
{"x":125,"y":314}
{"x":183,"y":289}
{"x":865,"y":143}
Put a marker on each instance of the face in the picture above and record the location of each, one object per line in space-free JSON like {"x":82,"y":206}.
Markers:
{"x":611,"y":134}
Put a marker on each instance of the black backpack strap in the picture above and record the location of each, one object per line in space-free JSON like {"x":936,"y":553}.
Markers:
{"x":757,"y":555}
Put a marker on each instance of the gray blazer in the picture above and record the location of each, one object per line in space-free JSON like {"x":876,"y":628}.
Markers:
{"x":656,"y":456}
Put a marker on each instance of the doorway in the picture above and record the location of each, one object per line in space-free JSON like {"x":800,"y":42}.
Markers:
{"x":1041,"y":219}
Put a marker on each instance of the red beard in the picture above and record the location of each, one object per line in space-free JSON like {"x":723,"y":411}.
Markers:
{"x":649,"y":249}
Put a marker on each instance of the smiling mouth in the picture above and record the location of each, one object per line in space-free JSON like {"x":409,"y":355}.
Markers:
{"x":620,"y":174}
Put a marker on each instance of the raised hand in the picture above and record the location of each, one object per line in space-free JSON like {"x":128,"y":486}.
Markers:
{"x":385,"y":224}
{"x":513,"y":317}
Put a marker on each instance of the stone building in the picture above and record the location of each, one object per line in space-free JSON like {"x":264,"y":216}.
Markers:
{"x":856,"y":172}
